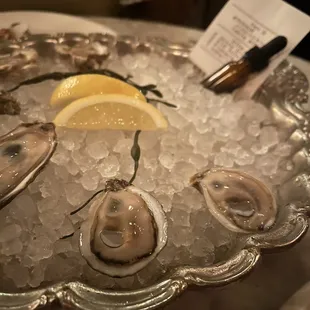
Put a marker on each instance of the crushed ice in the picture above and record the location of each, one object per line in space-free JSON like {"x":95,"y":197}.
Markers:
{"x":205,"y":130}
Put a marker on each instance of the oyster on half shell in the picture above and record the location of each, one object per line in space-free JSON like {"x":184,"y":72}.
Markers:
{"x":237,"y":200}
{"x":125,"y":230}
{"x":24,"y":152}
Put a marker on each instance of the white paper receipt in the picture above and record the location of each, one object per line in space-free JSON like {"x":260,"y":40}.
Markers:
{"x":241,"y":25}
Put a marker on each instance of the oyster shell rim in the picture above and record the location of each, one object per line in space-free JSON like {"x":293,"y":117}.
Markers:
{"x":126,"y":270}
{"x":81,"y":295}
{"x":34,"y":173}
{"x":194,"y":181}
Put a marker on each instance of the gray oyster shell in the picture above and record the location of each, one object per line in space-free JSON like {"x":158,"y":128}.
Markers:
{"x":125,"y":230}
{"x":237,"y":200}
{"x":24,"y":152}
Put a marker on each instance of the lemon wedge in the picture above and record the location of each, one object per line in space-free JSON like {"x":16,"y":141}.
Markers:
{"x":111,"y":112}
{"x":84,"y":85}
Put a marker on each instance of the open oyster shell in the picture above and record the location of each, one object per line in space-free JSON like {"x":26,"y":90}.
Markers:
{"x":125,"y":230}
{"x":237,"y":200}
{"x":24,"y":152}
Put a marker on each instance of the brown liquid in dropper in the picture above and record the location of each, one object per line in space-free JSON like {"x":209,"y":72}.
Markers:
{"x":236,"y":73}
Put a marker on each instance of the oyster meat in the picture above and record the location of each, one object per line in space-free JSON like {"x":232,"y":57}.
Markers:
{"x":237,"y":200}
{"x":125,"y":230}
{"x":24,"y":152}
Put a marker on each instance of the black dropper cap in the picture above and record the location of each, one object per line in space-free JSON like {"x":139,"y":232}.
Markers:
{"x":259,"y":57}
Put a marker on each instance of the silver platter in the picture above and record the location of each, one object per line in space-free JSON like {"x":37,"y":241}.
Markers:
{"x":284,"y":92}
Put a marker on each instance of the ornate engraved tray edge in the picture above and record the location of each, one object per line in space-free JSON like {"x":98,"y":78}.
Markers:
{"x":79,"y":295}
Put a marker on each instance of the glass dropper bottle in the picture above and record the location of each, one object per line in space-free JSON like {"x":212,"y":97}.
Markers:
{"x":236,"y":73}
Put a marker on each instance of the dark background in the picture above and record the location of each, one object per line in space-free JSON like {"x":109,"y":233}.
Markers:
{"x":303,"y":49}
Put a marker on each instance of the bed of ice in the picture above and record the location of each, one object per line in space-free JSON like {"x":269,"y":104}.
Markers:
{"x":205,"y":131}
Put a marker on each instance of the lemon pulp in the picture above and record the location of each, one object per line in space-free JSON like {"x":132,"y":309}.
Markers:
{"x":80,"y":86}
{"x":111,"y":112}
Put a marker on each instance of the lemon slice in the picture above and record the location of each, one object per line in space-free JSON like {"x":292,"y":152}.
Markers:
{"x":111,"y":112}
{"x":80,"y":86}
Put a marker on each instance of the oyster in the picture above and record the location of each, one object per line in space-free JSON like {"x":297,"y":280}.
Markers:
{"x":125,"y":230}
{"x":237,"y":200}
{"x":18,"y":59}
{"x":24,"y":152}
{"x":15,"y":32}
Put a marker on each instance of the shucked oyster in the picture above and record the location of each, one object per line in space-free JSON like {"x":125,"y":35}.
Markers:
{"x":237,"y":200}
{"x":125,"y":230}
{"x":24,"y":151}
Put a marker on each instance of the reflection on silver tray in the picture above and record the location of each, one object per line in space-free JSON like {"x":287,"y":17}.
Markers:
{"x":285,"y":93}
